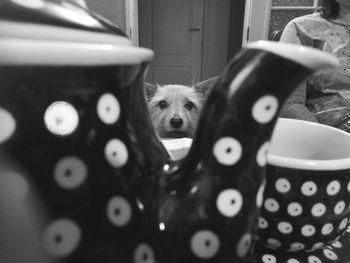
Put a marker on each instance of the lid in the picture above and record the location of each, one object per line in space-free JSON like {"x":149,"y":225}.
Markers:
{"x":61,"y":32}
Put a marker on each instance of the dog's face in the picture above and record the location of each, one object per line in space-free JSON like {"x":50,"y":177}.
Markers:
{"x":175,"y":109}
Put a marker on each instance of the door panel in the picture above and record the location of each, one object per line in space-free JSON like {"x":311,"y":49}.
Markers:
{"x":165,"y":75}
{"x":173,"y":29}
{"x":166,"y":22}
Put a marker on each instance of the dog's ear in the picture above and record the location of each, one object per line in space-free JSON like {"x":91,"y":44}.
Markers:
{"x":150,"y":90}
{"x":158,"y":86}
{"x":206,"y":86}
{"x":193,"y":82}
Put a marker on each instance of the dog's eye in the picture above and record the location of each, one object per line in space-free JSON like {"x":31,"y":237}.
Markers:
{"x":162,"y":104}
{"x":189,"y":105}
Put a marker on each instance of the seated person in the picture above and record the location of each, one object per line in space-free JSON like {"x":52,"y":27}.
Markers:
{"x":325,"y":97}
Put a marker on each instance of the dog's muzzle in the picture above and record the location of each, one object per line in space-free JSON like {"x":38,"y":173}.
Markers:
{"x":176,"y":122}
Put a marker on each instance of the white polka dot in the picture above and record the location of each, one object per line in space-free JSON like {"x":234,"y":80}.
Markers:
{"x":268,"y":258}
{"x":144,"y":254}
{"x":229,"y":202}
{"x":318,"y":210}
{"x":282,"y":185}
{"x":261,"y":156}
{"x":13,"y":186}
{"x":8,"y":125}
{"x":161,"y":226}
{"x":199,"y":167}
{"x":61,"y":118}
{"x":262,"y":223}
{"x":295,"y":247}
{"x":70,"y":172}
{"x":260,"y":195}
{"x":285,"y":227}
{"x":327,"y":229}
{"x":330,"y":254}
{"x":61,"y":237}
{"x":333,"y":187}
{"x":166,"y":168}
{"x":244,"y":245}
{"x":205,"y":244}
{"x":271,"y":205}
{"x":343,"y":224}
{"x":309,"y":188}
{"x":294,"y":209}
{"x":313,"y":259}
{"x":337,"y":244}
{"x":293,"y":260}
{"x":308,"y":230}
{"x":116,"y":153}
{"x":317,"y":246}
{"x":265,"y":109}
{"x":273,"y":243}
{"x":227,"y":151}
{"x":108,"y":108}
{"x":30,"y":3}
{"x":119,"y":211}
{"x":339,"y":207}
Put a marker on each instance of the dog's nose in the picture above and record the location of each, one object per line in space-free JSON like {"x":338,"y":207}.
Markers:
{"x":176,"y":122}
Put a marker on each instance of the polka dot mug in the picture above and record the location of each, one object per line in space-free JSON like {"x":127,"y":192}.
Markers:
{"x":307,"y":193}
{"x":83,"y":176}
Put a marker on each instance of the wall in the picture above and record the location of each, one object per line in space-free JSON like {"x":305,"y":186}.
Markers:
{"x":113,"y":10}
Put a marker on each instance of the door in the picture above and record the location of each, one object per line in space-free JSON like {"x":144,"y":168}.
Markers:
{"x":174,"y":30}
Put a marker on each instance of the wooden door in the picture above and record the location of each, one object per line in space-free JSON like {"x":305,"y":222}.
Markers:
{"x":174,"y":30}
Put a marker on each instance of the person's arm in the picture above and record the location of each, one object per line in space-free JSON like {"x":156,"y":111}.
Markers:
{"x":295,"y":106}
{"x":290,"y":34}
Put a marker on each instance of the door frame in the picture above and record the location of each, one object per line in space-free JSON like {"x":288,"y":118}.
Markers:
{"x":256,"y":20}
{"x":132,"y":20}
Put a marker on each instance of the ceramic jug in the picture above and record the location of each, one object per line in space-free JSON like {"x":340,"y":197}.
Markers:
{"x":83,"y":175}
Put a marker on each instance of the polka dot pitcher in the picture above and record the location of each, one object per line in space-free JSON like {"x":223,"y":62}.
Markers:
{"x":83,"y":176}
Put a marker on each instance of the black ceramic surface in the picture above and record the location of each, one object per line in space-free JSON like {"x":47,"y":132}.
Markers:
{"x":82,"y":136}
{"x":304,"y":209}
{"x":96,"y":178}
{"x":336,"y":251}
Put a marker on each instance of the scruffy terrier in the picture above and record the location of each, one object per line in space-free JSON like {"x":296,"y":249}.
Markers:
{"x":175,"y":109}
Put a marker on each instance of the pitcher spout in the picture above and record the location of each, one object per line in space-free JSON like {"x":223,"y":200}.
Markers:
{"x":215,"y":194}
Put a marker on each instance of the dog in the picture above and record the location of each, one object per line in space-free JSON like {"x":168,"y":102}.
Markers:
{"x":175,"y":109}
